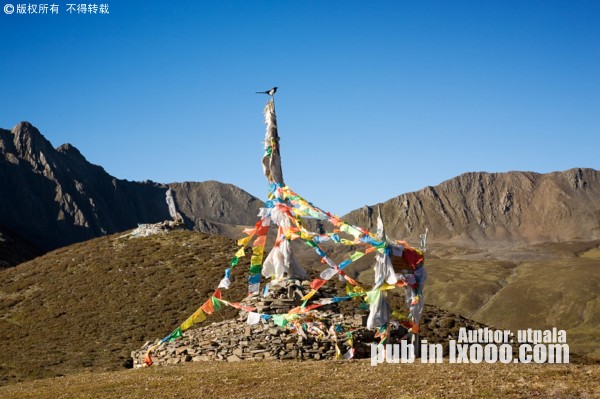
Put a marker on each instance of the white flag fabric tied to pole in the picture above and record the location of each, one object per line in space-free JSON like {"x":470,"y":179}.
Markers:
{"x":281,"y":260}
{"x":379,"y":308}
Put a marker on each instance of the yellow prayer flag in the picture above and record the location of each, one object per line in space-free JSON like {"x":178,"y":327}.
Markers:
{"x":199,"y":316}
{"x":240,"y":252}
{"x":244,"y":241}
{"x":305,"y":236}
{"x":256,"y":260}
{"x":398,"y":315}
{"x":187,"y":324}
{"x":309,"y":295}
{"x":386,"y":286}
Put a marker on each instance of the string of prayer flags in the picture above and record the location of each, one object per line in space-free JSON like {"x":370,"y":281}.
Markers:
{"x":256,"y":261}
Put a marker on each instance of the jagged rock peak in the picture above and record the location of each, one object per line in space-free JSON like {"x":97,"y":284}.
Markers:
{"x":69,"y":149}
{"x":28,"y":139}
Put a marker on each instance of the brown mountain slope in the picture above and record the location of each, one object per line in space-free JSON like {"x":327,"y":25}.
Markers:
{"x":214,"y":207}
{"x":496,"y":209}
{"x":88,"y":305}
{"x":55,"y":197}
{"x":549,"y":285}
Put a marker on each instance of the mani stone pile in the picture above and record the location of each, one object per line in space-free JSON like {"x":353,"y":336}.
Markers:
{"x":234,"y":340}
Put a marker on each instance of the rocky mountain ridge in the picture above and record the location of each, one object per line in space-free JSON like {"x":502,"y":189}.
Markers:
{"x":495,"y":209}
{"x":55,"y":197}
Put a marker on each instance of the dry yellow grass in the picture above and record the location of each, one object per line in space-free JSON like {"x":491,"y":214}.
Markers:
{"x":324,"y":379}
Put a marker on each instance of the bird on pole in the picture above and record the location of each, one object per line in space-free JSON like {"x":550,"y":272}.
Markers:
{"x":268,"y":92}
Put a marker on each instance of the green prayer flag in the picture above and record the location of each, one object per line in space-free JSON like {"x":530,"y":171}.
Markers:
{"x":216,"y":303}
{"x":356,"y":255}
{"x":279,"y":320}
{"x":234,"y":261}
{"x":175,"y":334}
{"x":372,"y":296}
{"x":311,"y":243}
{"x":255,"y":269}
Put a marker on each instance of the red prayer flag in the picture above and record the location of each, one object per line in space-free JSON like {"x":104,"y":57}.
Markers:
{"x":148,"y":360}
{"x":317,"y":283}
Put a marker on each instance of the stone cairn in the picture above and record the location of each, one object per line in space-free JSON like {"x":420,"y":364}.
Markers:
{"x":234,"y":340}
{"x":145,"y":230}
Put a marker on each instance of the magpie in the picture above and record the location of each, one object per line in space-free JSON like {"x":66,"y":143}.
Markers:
{"x":268,"y":92}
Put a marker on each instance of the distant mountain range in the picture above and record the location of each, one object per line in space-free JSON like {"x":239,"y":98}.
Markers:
{"x":53,"y":197}
{"x":496,"y":209}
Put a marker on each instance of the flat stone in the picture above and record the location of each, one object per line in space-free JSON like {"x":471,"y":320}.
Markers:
{"x":233,"y":358}
{"x":283,"y":301}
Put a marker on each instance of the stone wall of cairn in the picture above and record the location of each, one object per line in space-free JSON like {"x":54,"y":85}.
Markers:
{"x":234,"y":340}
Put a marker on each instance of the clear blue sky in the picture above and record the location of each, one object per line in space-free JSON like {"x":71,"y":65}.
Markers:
{"x":376,"y":98}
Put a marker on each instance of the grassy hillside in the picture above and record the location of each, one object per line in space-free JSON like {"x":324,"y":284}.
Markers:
{"x":89,"y":305}
{"x":542,"y":286}
{"x":560,"y":293}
